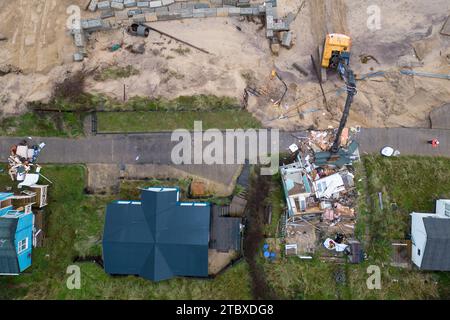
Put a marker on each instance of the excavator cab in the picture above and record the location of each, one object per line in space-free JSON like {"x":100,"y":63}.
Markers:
{"x":337,"y":48}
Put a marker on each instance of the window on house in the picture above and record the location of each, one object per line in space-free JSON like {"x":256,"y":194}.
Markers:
{"x":447,"y":209}
{"x":418,"y":252}
{"x":22,"y":246}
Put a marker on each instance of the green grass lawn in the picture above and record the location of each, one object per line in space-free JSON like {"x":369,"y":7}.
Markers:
{"x":75,"y":225}
{"x":45,"y":125}
{"x":167,"y":121}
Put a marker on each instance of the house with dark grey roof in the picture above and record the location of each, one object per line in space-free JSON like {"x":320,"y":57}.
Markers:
{"x":16,"y":236}
{"x":430,"y":236}
{"x":158,"y":237}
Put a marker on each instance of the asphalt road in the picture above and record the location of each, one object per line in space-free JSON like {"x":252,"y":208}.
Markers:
{"x":156,"y":148}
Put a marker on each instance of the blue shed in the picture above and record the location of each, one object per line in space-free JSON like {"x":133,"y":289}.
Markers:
{"x":158,"y":237}
{"x":16,"y":237}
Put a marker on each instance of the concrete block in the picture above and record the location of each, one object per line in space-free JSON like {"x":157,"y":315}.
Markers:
{"x":246,"y":11}
{"x":167,"y":2}
{"x":162,"y":9}
{"x":107,"y":14}
{"x":230,"y":3}
{"x":155,"y":4}
{"x":210,"y":12}
{"x":134,"y":12}
{"x":78,"y":57}
{"x":151,"y":17}
{"x":121,"y":15}
{"x":139,"y":17}
{"x":175,"y":6}
{"x":201,"y":5}
{"x":143,"y":4}
{"x":78,"y":39}
{"x":93,"y":5}
{"x":186,"y":13}
{"x":146,"y":10}
{"x":118,"y":1}
{"x":129,"y":3}
{"x":233,"y":11}
{"x":269,"y":33}
{"x":104,"y":5}
{"x":198,"y":13}
{"x":287,"y":39}
{"x":216,"y":2}
{"x":117,"y":5}
{"x":222,"y":12}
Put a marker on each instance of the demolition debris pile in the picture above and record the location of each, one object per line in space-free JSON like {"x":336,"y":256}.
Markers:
{"x":21,"y":161}
{"x":320,"y":195}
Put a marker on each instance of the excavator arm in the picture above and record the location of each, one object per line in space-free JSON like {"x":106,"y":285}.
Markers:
{"x":349,"y":78}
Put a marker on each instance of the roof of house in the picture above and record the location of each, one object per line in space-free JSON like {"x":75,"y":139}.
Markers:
{"x":225,"y":231}
{"x":8,"y":254}
{"x":437,"y":251}
{"x":157,"y":238}
{"x":5,"y":195}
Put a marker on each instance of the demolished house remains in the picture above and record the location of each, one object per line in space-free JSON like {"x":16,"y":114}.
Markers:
{"x":320,"y":196}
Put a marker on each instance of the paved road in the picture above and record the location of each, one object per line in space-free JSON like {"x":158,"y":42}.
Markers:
{"x":156,"y":148}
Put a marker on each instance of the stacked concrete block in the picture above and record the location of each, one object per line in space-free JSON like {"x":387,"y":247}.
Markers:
{"x":117,"y":5}
{"x":198,"y":13}
{"x":134,"y":12}
{"x":210,"y":12}
{"x":230,"y":3}
{"x":93,"y":5}
{"x":104,"y":5}
{"x":167,"y":2}
{"x":246,"y":11}
{"x":78,"y":57}
{"x":243,"y":3}
{"x":107,"y":14}
{"x":162,"y":9}
{"x":78,"y":38}
{"x":155,"y":4}
{"x":187,"y":13}
{"x":201,"y":5}
{"x":175,"y":6}
{"x":143,"y":4}
{"x":121,"y":15}
{"x":233,"y":11}
{"x":222,"y":12}
{"x":138,"y":18}
{"x":129,"y":3}
{"x":217,"y":2}
{"x":146,"y":10}
{"x":150,"y":17}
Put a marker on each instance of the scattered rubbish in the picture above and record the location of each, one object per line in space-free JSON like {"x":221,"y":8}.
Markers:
{"x":367,"y":57}
{"x":137,"y":158}
{"x":330,"y":244}
{"x":115,"y":47}
{"x":138,"y":30}
{"x":300,"y":69}
{"x":389,"y":152}
{"x":434,"y":142}
{"x":177,"y":39}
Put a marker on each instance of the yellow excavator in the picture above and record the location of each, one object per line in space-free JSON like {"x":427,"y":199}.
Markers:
{"x":337,"y":46}
{"x":336,"y":56}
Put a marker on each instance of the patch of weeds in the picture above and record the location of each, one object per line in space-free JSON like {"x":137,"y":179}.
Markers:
{"x":181,"y":51}
{"x":115,"y":72}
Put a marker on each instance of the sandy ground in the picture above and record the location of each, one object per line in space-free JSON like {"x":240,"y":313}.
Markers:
{"x":409,"y":36}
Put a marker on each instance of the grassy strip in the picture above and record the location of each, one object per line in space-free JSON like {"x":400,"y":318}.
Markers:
{"x":115,"y":72}
{"x":168,"y":121}
{"x":75,"y":225}
{"x":48,"y":124}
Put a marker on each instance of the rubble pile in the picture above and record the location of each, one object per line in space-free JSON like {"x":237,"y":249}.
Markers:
{"x":22,"y":160}
{"x":320,"y":194}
